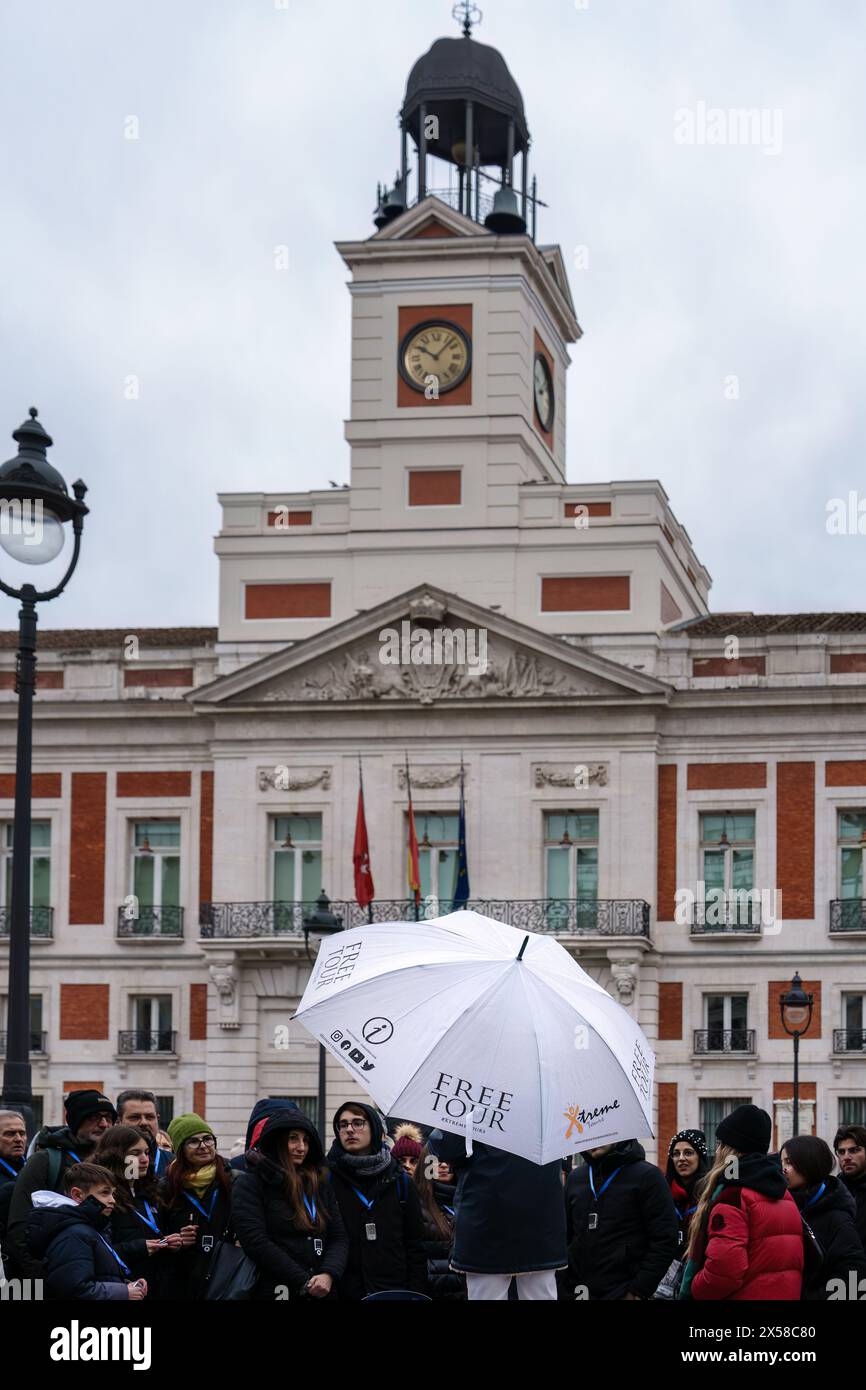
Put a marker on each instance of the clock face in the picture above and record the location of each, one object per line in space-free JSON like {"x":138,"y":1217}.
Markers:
{"x":543,"y":393}
{"x":437,"y":354}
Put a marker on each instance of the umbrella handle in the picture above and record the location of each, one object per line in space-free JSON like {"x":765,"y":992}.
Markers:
{"x":469,"y":1132}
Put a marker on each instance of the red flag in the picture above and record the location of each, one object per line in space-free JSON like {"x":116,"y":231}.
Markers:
{"x":414,"y":870}
{"x":364,"y":889}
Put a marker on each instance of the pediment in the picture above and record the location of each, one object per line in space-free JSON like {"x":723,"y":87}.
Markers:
{"x":431,"y":213}
{"x":426,"y":647}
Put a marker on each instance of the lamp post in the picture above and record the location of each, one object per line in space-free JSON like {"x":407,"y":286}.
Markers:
{"x":321,"y":924}
{"x":34,"y":506}
{"x":796,"y":1009}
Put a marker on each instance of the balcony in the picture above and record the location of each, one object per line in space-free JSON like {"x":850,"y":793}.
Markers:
{"x":608,"y":917}
{"x":41,"y":923}
{"x":135,"y":1042}
{"x":847,"y":915}
{"x":735,"y":915}
{"x":38,"y":1044}
{"x":715,"y":1042}
{"x":162,"y":923}
{"x":847,"y":1040}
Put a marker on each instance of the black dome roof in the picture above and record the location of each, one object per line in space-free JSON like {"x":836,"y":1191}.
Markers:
{"x":463,"y":70}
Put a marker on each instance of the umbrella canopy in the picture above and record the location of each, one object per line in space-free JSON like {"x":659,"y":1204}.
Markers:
{"x":472,"y":1026}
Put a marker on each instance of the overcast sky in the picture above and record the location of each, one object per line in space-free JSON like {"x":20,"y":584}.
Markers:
{"x":260,"y":126}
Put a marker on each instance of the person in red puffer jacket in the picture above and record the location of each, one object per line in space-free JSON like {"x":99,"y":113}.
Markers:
{"x":746,"y":1240}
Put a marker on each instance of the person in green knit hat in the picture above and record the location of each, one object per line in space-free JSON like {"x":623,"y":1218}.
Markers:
{"x":195,"y":1200}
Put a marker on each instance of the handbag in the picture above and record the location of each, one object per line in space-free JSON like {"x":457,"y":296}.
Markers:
{"x":669,"y":1287}
{"x":232,"y":1276}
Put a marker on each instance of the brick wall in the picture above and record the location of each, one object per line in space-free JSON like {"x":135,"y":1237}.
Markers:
{"x":311,"y":600}
{"x":45,"y":680}
{"x":725,"y":776}
{"x":588,"y":509}
{"x":157,"y":675}
{"x":205,"y":840}
{"x":197,"y":1013}
{"x":847,"y":663}
{"x":670,"y":1011}
{"x":43,"y":784}
{"x":845,"y":774}
{"x":83,"y":1011}
{"x":282,"y":520}
{"x":70,"y":1086}
{"x":585,"y":593}
{"x":795,"y":839}
{"x":434,"y":487}
{"x":667,"y":1121}
{"x":728,"y":666}
{"x":774,"y":1013}
{"x":410,"y":316}
{"x":666,"y":883}
{"x":146,"y":784}
{"x":87,"y":837}
{"x":199,"y":1099}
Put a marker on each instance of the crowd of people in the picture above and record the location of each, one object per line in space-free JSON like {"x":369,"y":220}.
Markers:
{"x":110,"y":1206}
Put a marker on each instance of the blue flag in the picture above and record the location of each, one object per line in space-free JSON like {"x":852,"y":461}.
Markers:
{"x":461,"y":891}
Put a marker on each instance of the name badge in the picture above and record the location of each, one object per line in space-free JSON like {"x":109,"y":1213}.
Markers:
{"x":370,"y":1230}
{"x":318,"y":1247}
{"x":593,"y":1221}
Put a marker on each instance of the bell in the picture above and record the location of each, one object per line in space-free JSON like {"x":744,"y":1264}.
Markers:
{"x":505,"y":217}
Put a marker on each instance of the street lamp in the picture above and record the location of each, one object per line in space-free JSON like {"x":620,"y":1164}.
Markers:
{"x":34,"y":507}
{"x":321,"y":924}
{"x":796,"y":1010}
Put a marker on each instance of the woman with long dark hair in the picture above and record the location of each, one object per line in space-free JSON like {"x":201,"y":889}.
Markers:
{"x":285,"y":1213}
{"x":195,"y":1202}
{"x":828,"y":1207}
{"x":437,"y":1186}
{"x":688,"y":1162}
{"x":135,"y":1230}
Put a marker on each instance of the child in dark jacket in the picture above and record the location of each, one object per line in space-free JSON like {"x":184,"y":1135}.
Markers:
{"x":67,"y":1231}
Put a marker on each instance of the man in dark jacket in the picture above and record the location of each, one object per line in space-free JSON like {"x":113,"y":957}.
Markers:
{"x":88,"y":1115}
{"x":261,"y":1111}
{"x":71,"y":1234}
{"x":850,"y":1147}
{"x":138,"y":1109}
{"x":622,"y":1224}
{"x":380,"y":1207}
{"x":509,"y":1220}
{"x":13,"y":1145}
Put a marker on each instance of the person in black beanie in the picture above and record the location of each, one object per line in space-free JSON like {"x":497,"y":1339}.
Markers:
{"x":380,"y":1207}
{"x":88,"y":1115}
{"x":828,"y":1207}
{"x":688,"y":1162}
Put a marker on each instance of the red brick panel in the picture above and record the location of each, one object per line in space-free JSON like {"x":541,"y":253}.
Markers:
{"x":725,"y":776}
{"x":157,"y":675}
{"x":205,"y":840}
{"x":588,"y":509}
{"x":145,"y":784}
{"x":87,"y":837}
{"x":729,"y":666}
{"x":666,"y":882}
{"x":585,"y":593}
{"x":671,"y":1011}
{"x":199,"y":1099}
{"x":795,"y":839}
{"x":667,"y":1122}
{"x":845,"y":774}
{"x":282,"y":520}
{"x":45,"y":680}
{"x":69,"y":1086}
{"x":433,"y":228}
{"x":434,"y":487}
{"x":784,"y":1090}
{"x":197,"y":1013}
{"x":83,"y":1011}
{"x":847,"y":663}
{"x":43,"y":785}
{"x":409,"y":316}
{"x":670,"y":609}
{"x":542,"y":348}
{"x":777,"y":987}
{"x":311,"y":600}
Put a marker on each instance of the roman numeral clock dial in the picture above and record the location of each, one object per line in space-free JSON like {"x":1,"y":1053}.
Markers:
{"x":543,"y":393}
{"x":435,"y":350}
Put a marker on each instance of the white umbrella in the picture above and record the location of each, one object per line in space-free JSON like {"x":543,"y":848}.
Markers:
{"x":472,"y":1026}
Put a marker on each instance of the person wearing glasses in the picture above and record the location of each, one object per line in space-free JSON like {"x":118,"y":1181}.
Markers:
{"x":380,"y":1207}
{"x":195,"y":1202}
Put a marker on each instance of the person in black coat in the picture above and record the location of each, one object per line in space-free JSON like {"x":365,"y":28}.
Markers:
{"x":828,"y":1207}
{"x":136,"y":1234}
{"x":286,"y":1215}
{"x":71,"y":1234}
{"x":622,"y":1226}
{"x":850,"y":1148}
{"x":195,"y":1202}
{"x":687,"y":1166}
{"x":261,"y":1111}
{"x":379,"y":1205}
{"x":437,"y":1189}
{"x":13,"y":1146}
{"x":510,"y":1220}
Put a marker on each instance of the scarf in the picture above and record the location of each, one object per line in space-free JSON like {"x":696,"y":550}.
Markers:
{"x":201,"y":1179}
{"x":358,"y":1166}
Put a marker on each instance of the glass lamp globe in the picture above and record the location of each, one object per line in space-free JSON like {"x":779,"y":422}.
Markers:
{"x":34,"y":537}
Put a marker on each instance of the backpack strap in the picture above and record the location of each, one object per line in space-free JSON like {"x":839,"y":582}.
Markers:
{"x":55,"y":1163}
{"x":403,"y":1187}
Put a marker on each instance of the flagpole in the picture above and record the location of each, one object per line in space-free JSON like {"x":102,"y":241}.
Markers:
{"x":411,"y":827}
{"x":361,"y":785}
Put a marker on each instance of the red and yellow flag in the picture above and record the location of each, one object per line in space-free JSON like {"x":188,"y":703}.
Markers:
{"x":414,"y":871}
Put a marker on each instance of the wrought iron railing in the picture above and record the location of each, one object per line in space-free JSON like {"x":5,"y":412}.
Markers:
{"x":41,"y":922}
{"x":848,"y":914}
{"x":563,"y":916}
{"x":731,"y":915}
{"x":134,"y":1040}
{"x":451,"y":197}
{"x":150,"y":921}
{"x":715,"y":1040}
{"x":38,"y":1043}
{"x":849,"y":1039}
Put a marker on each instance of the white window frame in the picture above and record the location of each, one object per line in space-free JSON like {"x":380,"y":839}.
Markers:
{"x":300,"y":845}
{"x":572,"y":857}
{"x":159,"y":851}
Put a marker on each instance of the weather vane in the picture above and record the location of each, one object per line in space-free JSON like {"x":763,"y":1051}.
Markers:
{"x":470,"y":14}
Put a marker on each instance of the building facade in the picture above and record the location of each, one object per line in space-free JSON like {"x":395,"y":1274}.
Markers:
{"x":679,"y":796}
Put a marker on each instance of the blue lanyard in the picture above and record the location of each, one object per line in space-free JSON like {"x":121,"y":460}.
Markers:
{"x":595,"y":1194}
{"x":311,"y":1210}
{"x":74,"y":1155}
{"x":681,"y":1215}
{"x":819,"y":1193}
{"x":450,"y":1210}
{"x":150,"y":1219}
{"x":124,"y":1267}
{"x":160,"y":1160}
{"x":206,"y":1214}
{"x":8,"y":1167}
{"x":361,"y":1198}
